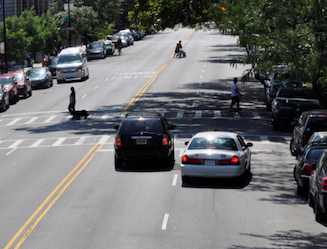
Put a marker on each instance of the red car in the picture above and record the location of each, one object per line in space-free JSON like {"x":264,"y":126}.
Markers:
{"x":24,"y":85}
{"x":10,"y":83}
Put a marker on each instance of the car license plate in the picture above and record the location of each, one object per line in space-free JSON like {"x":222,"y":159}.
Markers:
{"x":209,"y":162}
{"x":141,"y":141}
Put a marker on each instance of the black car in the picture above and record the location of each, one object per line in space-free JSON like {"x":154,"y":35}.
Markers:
{"x":96,"y":50}
{"x":52,"y":65}
{"x":144,"y":136}
{"x":308,"y":123}
{"x":40,"y":77}
{"x":306,"y":163}
{"x":318,"y":188}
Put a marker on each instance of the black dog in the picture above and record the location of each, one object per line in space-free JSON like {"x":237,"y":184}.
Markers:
{"x":79,"y":114}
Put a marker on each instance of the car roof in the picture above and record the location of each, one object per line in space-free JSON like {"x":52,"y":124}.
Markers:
{"x":73,"y":50}
{"x":319,"y":144}
{"x":143,"y":115}
{"x":316,"y":112}
{"x":216,"y":134}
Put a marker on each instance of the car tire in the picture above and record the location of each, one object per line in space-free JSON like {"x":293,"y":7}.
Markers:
{"x":185,"y":179}
{"x":4,"y":106}
{"x":118,"y":163}
{"x":311,"y":201}
{"x":292,"y":147}
{"x":170,"y":160}
{"x":299,"y":190}
{"x":319,"y":215}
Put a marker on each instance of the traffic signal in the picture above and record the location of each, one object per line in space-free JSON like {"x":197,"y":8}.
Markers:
{"x":223,"y":8}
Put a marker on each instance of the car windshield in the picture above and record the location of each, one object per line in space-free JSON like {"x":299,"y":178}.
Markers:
{"x":314,"y":154}
{"x":95,"y":45}
{"x":19,"y":77}
{"x":317,"y":124}
{"x":35,"y":72}
{"x":218,"y":143}
{"x":141,"y":125}
{"x":54,"y":61}
{"x":74,"y":58}
{"x":6,"y":81}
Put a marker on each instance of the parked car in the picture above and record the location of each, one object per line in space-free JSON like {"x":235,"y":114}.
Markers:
{"x":110,"y":47}
{"x":124,"y":40}
{"x":10,"y":84}
{"x":4,"y":98}
{"x":318,"y":188}
{"x":318,"y":136}
{"x":144,"y":136}
{"x":52,"y":65}
{"x":96,"y":50}
{"x":72,"y":64}
{"x":306,"y":164}
{"x":40,"y":77}
{"x":128,"y":36}
{"x":216,"y":154}
{"x":290,"y":103}
{"x":308,"y":123}
{"x":24,"y":85}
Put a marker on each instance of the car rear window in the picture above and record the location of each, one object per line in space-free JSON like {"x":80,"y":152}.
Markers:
{"x":317,"y":124}
{"x":203,"y":143}
{"x":299,"y":94}
{"x":314,"y":154}
{"x":6,"y":81}
{"x":141,"y":125}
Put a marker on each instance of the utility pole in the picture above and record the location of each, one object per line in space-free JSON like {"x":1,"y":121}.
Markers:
{"x":4,"y":35}
{"x":69,"y":25}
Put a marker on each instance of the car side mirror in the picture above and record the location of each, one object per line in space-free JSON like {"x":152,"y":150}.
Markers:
{"x":186,"y":143}
{"x":172,"y":127}
{"x":116,"y":127}
{"x":249,"y":144}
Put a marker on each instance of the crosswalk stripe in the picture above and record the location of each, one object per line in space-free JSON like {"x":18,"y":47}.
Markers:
{"x":37,"y":143}
{"x":217,"y":114}
{"x":256,"y":115}
{"x":264,"y":139}
{"x":180,"y":114}
{"x":104,"y":117}
{"x":49,"y":119}
{"x":198,"y":114}
{"x":14,"y":121}
{"x":104,"y":139}
{"x":31,"y":120}
{"x":59,"y":141}
{"x":15,"y":144}
{"x":80,"y":141}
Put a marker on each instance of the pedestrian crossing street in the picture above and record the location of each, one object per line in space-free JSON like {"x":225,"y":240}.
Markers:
{"x":109,"y":140}
{"x":12,"y":120}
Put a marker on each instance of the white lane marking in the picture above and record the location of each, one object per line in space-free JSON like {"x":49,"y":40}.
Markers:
{"x":198,"y":114}
{"x":165,"y":222}
{"x":96,"y":87}
{"x":15,"y":144}
{"x":181,"y":151}
{"x":104,"y":116}
{"x":84,"y":96}
{"x":175,"y":180}
{"x":11,"y":151}
{"x":217,"y":114}
{"x":107,"y":79}
{"x":204,"y":65}
{"x":201,"y":76}
{"x":59,"y":141}
{"x":31,"y":120}
{"x":180,"y":114}
{"x":104,"y":139}
{"x":37,"y":143}
{"x":80,"y":141}
{"x":106,"y":150}
{"x":288,"y":139}
{"x":203,"y":71}
{"x":264,"y":139}
{"x":256,"y":115}
{"x":30,"y":113}
{"x":237,"y":115}
{"x":49,"y":119}
{"x":14,"y":121}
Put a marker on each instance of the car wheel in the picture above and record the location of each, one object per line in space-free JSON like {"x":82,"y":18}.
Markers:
{"x":30,"y":92}
{"x":16,"y":98}
{"x":4,"y":106}
{"x":292,"y":147}
{"x":185,"y":179}
{"x":319,"y":215}
{"x":300,"y":191}
{"x":170,"y":160}
{"x":310,"y":200}
{"x":118,"y":163}
{"x":26,"y":95}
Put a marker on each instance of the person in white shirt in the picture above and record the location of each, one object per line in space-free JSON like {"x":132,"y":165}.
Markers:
{"x":235,"y":96}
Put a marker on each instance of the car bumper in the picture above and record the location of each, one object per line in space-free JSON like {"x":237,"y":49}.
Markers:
{"x":218,"y":171}
{"x":150,"y":154}
{"x":39,"y":84}
{"x":95,"y":56}
{"x":70,"y":76}
{"x":22,"y":90}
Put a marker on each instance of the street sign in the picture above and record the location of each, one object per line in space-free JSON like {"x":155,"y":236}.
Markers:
{"x":63,"y":17}
{"x":71,"y":6}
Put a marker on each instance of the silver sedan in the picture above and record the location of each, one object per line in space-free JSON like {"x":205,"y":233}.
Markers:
{"x":216,"y":155}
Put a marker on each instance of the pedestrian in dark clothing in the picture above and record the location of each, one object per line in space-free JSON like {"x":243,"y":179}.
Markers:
{"x":72,"y":102}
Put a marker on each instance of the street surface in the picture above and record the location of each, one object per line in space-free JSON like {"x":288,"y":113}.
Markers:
{"x":59,"y":188}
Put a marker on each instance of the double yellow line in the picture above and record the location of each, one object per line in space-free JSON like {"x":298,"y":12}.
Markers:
{"x":137,"y":96}
{"x":52,"y":198}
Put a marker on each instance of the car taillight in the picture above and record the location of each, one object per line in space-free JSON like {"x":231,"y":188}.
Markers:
{"x":165,"y":140}
{"x":307,"y":169}
{"x":304,"y":137}
{"x":234,"y":160}
{"x":187,"y":160}
{"x":324,"y":184}
{"x":118,"y":141}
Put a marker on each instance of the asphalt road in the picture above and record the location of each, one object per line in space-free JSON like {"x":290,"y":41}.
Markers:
{"x":59,"y":189}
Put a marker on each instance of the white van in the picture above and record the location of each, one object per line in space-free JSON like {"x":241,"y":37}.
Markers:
{"x":72,"y":64}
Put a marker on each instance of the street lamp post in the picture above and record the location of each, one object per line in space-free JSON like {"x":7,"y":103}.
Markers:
{"x":4,"y":35}
{"x":69,"y":25}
